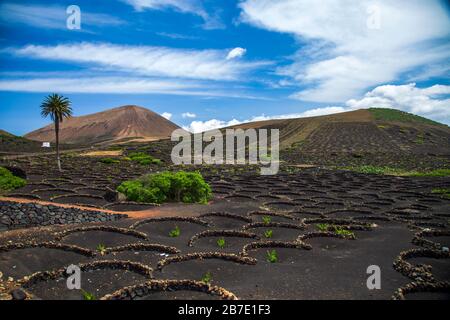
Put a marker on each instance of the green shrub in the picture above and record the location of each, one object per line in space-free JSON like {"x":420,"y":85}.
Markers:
{"x":433,"y":173}
{"x":143,"y":158}
{"x":146,"y":162}
{"x":137,"y":155}
{"x":10,"y":182}
{"x":384,"y":114}
{"x":108,"y":160}
{"x":187,"y":187}
{"x":444,"y":192}
{"x":398,"y":171}
{"x":372,"y":170}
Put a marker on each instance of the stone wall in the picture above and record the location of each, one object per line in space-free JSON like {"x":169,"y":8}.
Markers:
{"x":21,"y":215}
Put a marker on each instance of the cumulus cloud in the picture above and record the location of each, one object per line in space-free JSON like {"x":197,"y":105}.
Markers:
{"x":202,"y":126}
{"x":145,"y":60}
{"x":166,"y":115}
{"x":350,"y":46}
{"x":432,"y":102}
{"x":308,"y":113}
{"x":189,"y":115}
{"x":236,"y":53}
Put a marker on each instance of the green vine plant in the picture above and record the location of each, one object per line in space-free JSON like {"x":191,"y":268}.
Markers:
{"x":266,"y":219}
{"x":268,"y":234}
{"x":88,"y":295}
{"x":343,"y":232}
{"x":175,"y":232}
{"x":101,"y":248}
{"x":322,"y":226}
{"x":221,"y":243}
{"x":207,"y":278}
{"x":272,"y":256}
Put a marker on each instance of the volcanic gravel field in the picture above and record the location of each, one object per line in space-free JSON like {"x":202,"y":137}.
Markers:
{"x":397,"y":224}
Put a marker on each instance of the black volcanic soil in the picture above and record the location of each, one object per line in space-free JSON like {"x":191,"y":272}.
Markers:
{"x":332,"y":268}
{"x":388,"y":215}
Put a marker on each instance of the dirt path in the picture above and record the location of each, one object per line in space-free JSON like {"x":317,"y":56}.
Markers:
{"x":155,"y":212}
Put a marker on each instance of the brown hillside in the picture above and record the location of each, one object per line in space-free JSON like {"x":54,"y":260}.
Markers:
{"x":368,"y":130}
{"x":5,"y":133}
{"x":113,"y":124}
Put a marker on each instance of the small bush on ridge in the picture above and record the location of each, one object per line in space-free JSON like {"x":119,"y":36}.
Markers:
{"x":108,"y":161}
{"x":143,"y":158}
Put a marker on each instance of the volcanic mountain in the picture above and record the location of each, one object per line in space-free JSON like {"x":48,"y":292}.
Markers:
{"x":375,"y":130}
{"x":110,"y":125}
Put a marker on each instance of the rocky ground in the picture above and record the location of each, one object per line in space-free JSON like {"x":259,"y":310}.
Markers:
{"x":23,"y":215}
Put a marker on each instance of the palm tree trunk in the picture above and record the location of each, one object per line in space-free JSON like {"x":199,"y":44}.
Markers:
{"x":58,"y":159}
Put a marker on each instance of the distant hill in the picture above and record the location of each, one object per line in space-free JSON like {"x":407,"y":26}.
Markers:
{"x":109,"y":125}
{"x":366,"y":130}
{"x":11,"y":144}
{"x":5,"y":134}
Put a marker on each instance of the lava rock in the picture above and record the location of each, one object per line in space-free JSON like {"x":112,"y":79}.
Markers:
{"x":18,"y":294}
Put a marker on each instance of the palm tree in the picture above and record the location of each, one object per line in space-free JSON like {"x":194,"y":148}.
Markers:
{"x":58,"y":108}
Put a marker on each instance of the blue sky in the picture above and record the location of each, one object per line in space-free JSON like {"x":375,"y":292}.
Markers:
{"x":210,"y":63}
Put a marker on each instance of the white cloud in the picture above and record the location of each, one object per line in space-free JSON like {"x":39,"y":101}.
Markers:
{"x":432,"y":102}
{"x":306,"y":114}
{"x":177,"y":36}
{"x":236,"y":53}
{"x":185,"y":6}
{"x":202,"y":126}
{"x":95,"y":85}
{"x":145,"y":60}
{"x":167,"y":115}
{"x":343,"y":57}
{"x":51,"y":17}
{"x":81,"y":83}
{"x":191,"y":6}
{"x":189,"y":115}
